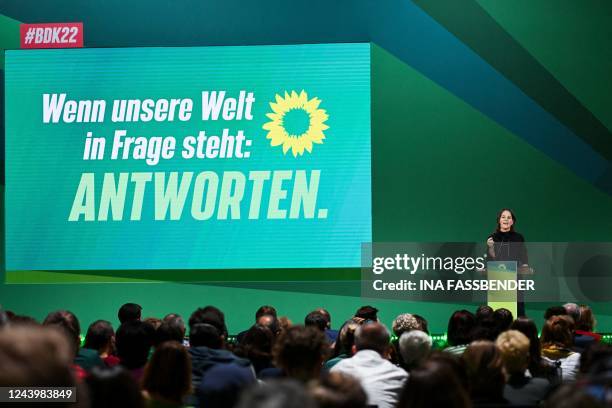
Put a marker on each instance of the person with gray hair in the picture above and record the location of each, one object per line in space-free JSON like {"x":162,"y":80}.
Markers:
{"x":414,"y":347}
{"x":381,"y":380}
{"x":404,"y":323}
{"x":573,"y":310}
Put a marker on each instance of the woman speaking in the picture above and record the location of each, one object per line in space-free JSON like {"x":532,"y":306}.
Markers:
{"x":505,"y":244}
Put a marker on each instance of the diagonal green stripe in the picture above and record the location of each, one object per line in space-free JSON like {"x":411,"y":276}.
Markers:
{"x":571,"y":39}
{"x":472,"y":25}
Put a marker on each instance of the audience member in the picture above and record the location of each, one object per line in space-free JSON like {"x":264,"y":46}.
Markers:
{"x":209,"y":315}
{"x":256,"y":346}
{"x":557,"y":341}
{"x":404,"y":323}
{"x":573,"y":311}
{"x":503,"y":319}
{"x":154,"y":322}
{"x":129,"y":312}
{"x":113,"y":387}
{"x":460,"y":331}
{"x":317,"y":320}
{"x":299,"y":353}
{"x":66,"y":321}
{"x":433,"y":385}
{"x":34,"y":356}
{"x":344,"y":344}
{"x":381,"y":380}
{"x":167,"y":377}
{"x":265,"y":310}
{"x":101,"y":338}
{"x":277,"y":394}
{"x":583,"y":335}
{"x":414,"y":348}
{"x":207,"y":351}
{"x":537,"y":366}
{"x":554,"y":311}
{"x":423,"y":323}
{"x":331,"y":334}
{"x":485,"y":371}
{"x":367,"y":313}
{"x":172,"y":328}
{"x":338,"y":390}
{"x":133,"y":341}
{"x":520,"y":389}
{"x":222,"y":384}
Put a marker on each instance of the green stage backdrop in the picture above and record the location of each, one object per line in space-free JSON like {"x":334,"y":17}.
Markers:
{"x":475,"y":106}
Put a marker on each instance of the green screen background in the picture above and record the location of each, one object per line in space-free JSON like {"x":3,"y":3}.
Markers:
{"x":476,"y":105}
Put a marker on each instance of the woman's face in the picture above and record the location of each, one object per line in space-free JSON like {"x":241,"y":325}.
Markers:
{"x":505,"y":221}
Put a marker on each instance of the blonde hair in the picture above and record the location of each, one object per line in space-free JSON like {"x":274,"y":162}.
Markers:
{"x":514,"y":348}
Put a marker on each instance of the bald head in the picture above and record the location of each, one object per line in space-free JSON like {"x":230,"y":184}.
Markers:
{"x":372,"y":336}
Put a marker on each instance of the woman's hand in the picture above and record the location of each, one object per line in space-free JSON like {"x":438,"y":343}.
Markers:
{"x":490,"y":243}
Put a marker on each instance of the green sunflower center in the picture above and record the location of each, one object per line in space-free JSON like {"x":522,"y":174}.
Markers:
{"x":296,"y":122}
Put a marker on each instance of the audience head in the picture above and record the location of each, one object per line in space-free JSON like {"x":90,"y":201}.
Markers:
{"x":222,"y":385}
{"x":21,"y":320}
{"x":327,"y":316}
{"x":367,"y":313}
{"x":257,"y":343}
{"x":504,"y":319}
{"x":338,"y":390}
{"x":414,"y":347}
{"x":316,"y":319}
{"x":171,"y":329}
{"x":484,"y":312}
{"x":265,"y":310}
{"x":404,"y":323}
{"x":277,"y":394}
{"x":558,"y":331}
{"x":422,"y":322}
{"x":271,"y":322}
{"x":587,"y":321}
{"x":209,"y":315}
{"x":514,"y":349}
{"x":68,"y":323}
{"x":205,"y":335}
{"x":129,"y":312}
{"x":485,"y":370}
{"x":572,"y":310}
{"x":460,"y":328}
{"x":34,"y":356}
{"x":284,"y":323}
{"x":529,"y":329}
{"x":133,"y":341}
{"x":372,"y":336}
{"x":433,"y":384}
{"x":346,"y":338}
{"x":113,"y":387}
{"x":454,"y":362}
{"x":154,"y":322}
{"x":100,"y":336}
{"x":168,"y":375}
{"x":554,"y":311}
{"x":300,"y":351}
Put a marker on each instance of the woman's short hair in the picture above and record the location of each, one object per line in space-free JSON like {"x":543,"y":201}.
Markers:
{"x":414,"y":346}
{"x":558,"y":331}
{"x":587,"y":321}
{"x":514,"y":348}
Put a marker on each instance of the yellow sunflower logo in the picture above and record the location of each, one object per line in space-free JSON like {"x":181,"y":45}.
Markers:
{"x":296,"y":123}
